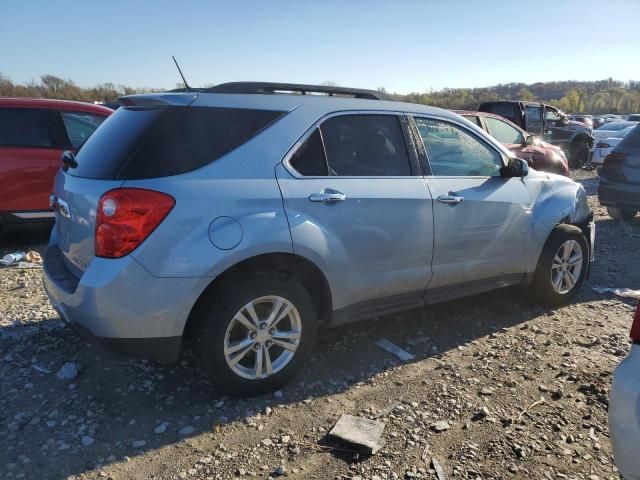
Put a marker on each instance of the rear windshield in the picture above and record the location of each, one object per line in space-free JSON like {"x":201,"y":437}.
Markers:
{"x":137,"y":143}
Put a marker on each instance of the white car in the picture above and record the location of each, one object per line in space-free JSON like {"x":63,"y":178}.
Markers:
{"x":610,"y":129}
{"x":603,"y":147}
{"x":624,"y":409}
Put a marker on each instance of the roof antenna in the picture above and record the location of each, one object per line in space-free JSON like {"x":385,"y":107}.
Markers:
{"x":187,"y":88}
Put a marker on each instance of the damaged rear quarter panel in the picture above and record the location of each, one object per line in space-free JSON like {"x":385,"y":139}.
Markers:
{"x":555,"y":199}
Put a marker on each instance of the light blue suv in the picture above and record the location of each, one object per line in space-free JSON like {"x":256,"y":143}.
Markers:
{"x":247,"y":215}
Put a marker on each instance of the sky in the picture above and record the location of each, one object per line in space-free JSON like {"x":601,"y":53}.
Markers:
{"x":403,"y":46}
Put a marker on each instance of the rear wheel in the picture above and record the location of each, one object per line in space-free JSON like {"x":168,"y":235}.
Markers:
{"x":618,"y":213}
{"x":579,"y":154}
{"x":561,"y":267}
{"x":255,"y":332}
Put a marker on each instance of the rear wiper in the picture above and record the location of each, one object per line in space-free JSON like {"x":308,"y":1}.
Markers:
{"x":68,"y":160}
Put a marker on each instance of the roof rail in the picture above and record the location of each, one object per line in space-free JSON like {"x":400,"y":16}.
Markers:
{"x":271,"y":88}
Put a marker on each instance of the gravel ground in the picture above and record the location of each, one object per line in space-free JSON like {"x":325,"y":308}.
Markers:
{"x":499,"y":388}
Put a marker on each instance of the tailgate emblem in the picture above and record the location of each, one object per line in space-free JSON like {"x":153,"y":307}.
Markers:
{"x":60,"y":206}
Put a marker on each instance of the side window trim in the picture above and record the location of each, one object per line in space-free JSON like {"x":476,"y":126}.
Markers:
{"x":488,"y":144}
{"x":415,"y":168}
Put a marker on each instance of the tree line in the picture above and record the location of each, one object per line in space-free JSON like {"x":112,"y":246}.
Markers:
{"x":601,"y":96}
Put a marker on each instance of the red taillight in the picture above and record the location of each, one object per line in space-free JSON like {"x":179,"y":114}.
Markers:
{"x":602,"y":145}
{"x":613,"y":159}
{"x":126,"y":216}
{"x":635,"y":327}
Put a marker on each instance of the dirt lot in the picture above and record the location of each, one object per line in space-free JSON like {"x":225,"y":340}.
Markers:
{"x":481,"y":367}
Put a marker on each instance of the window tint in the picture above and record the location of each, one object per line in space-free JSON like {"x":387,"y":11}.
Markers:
{"x":27,"y":127}
{"x":503,"y":132}
{"x":365,"y":145}
{"x":80,"y":126}
{"x":136,"y":143}
{"x":309,"y":159}
{"x":534,"y":119}
{"x":454,"y":152}
{"x":505,"y":110}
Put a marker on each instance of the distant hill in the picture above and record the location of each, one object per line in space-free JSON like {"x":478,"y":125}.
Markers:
{"x":601,"y":96}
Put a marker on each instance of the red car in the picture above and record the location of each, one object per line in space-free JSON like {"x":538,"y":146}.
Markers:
{"x":540,"y":155}
{"x":33,"y":134}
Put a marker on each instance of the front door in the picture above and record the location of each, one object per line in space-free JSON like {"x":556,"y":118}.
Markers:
{"x":358,"y":208}
{"x":482,"y":221}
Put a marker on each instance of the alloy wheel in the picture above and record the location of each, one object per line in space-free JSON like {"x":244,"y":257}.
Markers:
{"x":566,"y":267}
{"x":262,"y":337}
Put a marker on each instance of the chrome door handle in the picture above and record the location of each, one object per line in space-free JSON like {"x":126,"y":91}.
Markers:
{"x":328,"y":196}
{"x":450,"y":199}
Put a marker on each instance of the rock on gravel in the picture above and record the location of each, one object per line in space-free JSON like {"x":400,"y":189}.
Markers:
{"x":68,"y":371}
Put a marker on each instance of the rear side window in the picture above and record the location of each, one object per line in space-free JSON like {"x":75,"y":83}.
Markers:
{"x":138,"y":143}
{"x":29,"y":127}
{"x":365,"y":146}
{"x":309,"y":160}
{"x":473,"y":119}
{"x":534,"y":119}
{"x":634,"y":118}
{"x":80,"y":126}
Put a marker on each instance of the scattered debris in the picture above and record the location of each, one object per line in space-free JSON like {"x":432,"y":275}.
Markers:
{"x":441,"y":426}
{"x":68,"y":371}
{"x":394,"y":349}
{"x":186,"y":431}
{"x":359,"y":432}
{"x":33,"y":257}
{"x":533,"y":405}
{"x":12,"y":258}
{"x":40,"y":369}
{"x":620,"y":292}
{"x":435,"y":464}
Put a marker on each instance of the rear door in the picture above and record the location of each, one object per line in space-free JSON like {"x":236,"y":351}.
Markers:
{"x":482,"y":221}
{"x":357,"y":206}
{"x":31,"y":143}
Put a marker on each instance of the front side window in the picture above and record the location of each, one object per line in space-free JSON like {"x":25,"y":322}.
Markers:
{"x":453,"y":152}
{"x":534,"y":119}
{"x":365,"y":146}
{"x":503,"y":132}
{"x":26,"y":127}
{"x":80,"y":126}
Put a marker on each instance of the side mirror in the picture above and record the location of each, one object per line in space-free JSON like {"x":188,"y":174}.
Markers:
{"x":530,"y":140}
{"x":516,"y":168}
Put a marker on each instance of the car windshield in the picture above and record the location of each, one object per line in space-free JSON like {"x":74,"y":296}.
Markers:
{"x":615,"y":126}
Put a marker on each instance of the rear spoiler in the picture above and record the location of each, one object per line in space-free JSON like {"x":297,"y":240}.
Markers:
{"x":158,"y":99}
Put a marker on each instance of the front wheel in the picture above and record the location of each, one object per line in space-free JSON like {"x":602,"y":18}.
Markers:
{"x":255,"y":333}
{"x":618,"y":213}
{"x":561,"y":267}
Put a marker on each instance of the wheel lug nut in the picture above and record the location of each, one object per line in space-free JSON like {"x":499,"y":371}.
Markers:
{"x":272,"y":331}
{"x":263,"y":325}
{"x":269,"y":343}
{"x":253,"y":335}
{"x":257,"y":347}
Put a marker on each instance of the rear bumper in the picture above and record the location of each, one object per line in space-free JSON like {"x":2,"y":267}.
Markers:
{"x":618,"y":194}
{"x":120,"y":305}
{"x":624,"y":415}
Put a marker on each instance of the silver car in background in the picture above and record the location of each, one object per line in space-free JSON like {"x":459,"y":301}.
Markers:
{"x":245,"y":216}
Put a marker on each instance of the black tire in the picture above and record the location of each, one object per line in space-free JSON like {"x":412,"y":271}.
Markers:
{"x":541,"y":288}
{"x":579,"y":154}
{"x":624,"y":214}
{"x":215,"y":311}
